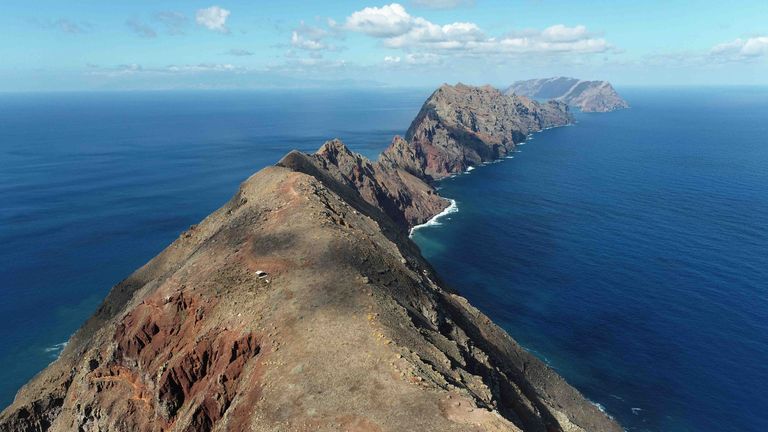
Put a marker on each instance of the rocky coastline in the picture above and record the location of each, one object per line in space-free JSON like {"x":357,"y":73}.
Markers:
{"x":302,"y":304}
{"x":587,"y":96}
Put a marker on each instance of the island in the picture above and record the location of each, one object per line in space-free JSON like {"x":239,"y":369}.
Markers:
{"x":588,"y":96}
{"x":302,"y":304}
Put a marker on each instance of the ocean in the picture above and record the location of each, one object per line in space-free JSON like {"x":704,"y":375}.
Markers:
{"x":629,"y":251}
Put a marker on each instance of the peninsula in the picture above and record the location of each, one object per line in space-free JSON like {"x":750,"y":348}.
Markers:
{"x":302,"y":304}
{"x":588,"y":96}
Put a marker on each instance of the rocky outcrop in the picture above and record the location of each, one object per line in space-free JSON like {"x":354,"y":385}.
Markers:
{"x":588,"y":96}
{"x":405,"y":198}
{"x":462,"y":126}
{"x":302,"y":304}
{"x":458,"y":127}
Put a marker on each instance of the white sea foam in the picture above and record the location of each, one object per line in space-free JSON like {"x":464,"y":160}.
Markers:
{"x":469,"y":168}
{"x":636,"y":411}
{"x":435,"y":220}
{"x":600,"y":407}
{"x":56,"y":349}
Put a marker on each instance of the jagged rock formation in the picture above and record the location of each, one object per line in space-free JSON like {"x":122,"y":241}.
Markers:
{"x":302,"y":304}
{"x":407,"y":199}
{"x":588,"y":96}
{"x":462,"y":126}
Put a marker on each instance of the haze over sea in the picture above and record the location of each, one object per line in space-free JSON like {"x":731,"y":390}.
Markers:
{"x":630,"y":251}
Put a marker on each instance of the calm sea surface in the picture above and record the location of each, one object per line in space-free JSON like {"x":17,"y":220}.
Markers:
{"x":629,"y":251}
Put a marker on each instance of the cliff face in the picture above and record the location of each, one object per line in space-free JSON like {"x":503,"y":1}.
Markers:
{"x":457,"y":127}
{"x":301,"y":304}
{"x":588,"y":96}
{"x":462,"y":126}
{"x":405,"y":198}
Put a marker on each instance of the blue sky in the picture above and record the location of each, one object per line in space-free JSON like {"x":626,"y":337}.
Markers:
{"x":91,"y":45}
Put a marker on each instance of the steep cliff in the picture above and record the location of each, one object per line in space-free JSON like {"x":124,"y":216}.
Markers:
{"x":302,"y":304}
{"x":588,"y":96}
{"x":462,"y":126}
{"x":405,"y":198}
{"x":457,"y":127}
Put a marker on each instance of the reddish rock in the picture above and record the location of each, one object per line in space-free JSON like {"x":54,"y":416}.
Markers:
{"x":462,"y":126}
{"x":351,"y":330}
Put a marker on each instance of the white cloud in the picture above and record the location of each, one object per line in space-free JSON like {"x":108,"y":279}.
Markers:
{"x":299,"y":41}
{"x":442,"y":4}
{"x":398,"y":29}
{"x":213,"y":18}
{"x":312,"y":38}
{"x":386,"y":21}
{"x":135,"y":69}
{"x":741,"y":49}
{"x":425,"y":33}
{"x":202,"y":67}
{"x":413,"y":59}
{"x":561,"y":33}
{"x":307,"y":37}
{"x":423,"y":59}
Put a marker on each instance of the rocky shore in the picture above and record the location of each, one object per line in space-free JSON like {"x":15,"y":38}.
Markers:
{"x":302,"y":305}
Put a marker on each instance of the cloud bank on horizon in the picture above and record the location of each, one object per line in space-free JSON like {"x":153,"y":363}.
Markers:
{"x":240,"y":45}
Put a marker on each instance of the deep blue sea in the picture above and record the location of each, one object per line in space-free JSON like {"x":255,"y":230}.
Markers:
{"x":629,"y":251}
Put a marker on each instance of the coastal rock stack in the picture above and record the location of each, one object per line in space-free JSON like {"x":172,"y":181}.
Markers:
{"x":302,"y":304}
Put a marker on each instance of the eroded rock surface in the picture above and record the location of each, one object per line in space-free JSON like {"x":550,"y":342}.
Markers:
{"x":302,"y":305}
{"x":588,"y":96}
{"x":461,"y":126}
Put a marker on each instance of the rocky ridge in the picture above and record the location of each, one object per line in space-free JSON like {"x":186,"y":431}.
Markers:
{"x":462,"y":126}
{"x":588,"y":96}
{"x":301,"y":304}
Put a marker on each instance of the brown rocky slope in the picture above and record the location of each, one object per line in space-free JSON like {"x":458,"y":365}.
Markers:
{"x":462,"y":126}
{"x":588,"y":96}
{"x":349,"y":330}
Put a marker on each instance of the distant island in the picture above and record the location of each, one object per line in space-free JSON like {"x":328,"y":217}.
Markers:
{"x":588,"y":96}
{"x":302,"y":304}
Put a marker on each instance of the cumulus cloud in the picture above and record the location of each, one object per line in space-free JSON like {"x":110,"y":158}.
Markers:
{"x":423,"y":59}
{"x":312,"y":38}
{"x":741,"y":49}
{"x":442,"y":4}
{"x":398,"y":29}
{"x":561,"y":33}
{"x":414,"y":59}
{"x":213,"y":18}
{"x":301,"y":42}
{"x":141,"y":29}
{"x":386,"y":21}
